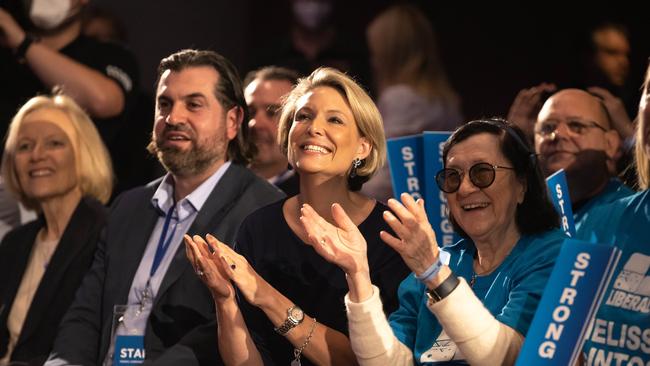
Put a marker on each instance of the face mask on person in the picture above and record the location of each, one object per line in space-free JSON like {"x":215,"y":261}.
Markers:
{"x":49,"y":14}
{"x":311,"y":14}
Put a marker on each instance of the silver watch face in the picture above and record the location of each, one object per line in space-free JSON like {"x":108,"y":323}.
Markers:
{"x":296,"y":315}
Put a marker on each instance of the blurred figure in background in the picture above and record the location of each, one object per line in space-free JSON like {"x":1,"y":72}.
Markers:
{"x":606,"y":63}
{"x":314,"y":39}
{"x":55,"y":163}
{"x":414,"y":93}
{"x":264,"y":90}
{"x":42,"y":46}
{"x":103,"y":25}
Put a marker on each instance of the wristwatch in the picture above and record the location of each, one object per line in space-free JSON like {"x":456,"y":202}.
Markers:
{"x":295,"y":315}
{"x":444,"y":289}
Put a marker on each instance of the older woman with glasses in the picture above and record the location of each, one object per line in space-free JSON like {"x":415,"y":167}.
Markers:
{"x":471,"y":302}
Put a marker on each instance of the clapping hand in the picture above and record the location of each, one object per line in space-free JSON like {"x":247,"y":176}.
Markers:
{"x":342,"y":244}
{"x":208,"y":266}
{"x":416,"y":241}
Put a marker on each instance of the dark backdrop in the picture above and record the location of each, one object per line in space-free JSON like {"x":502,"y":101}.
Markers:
{"x":489,"y":52}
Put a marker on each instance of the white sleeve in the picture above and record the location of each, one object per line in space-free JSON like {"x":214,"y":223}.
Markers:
{"x":371,"y":337}
{"x":481,"y":338}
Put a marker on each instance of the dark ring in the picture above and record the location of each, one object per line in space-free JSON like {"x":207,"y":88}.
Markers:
{"x":233,"y":266}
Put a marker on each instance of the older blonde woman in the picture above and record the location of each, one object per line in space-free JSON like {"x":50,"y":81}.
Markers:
{"x":333,"y":137}
{"x":55,"y":163}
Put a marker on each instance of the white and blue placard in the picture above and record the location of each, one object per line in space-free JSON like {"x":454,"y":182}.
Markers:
{"x":558,"y":190}
{"x":129,"y":350}
{"x":573,"y":294}
{"x":434,"y":199}
{"x":406,"y":165}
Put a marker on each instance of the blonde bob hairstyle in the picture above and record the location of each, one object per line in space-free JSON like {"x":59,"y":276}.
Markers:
{"x":93,"y":163}
{"x":366,"y":116}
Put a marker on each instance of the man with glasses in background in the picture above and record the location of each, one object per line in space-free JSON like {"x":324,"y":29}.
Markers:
{"x":574,"y":132}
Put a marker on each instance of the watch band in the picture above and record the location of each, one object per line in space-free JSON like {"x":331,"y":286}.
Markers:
{"x":290,"y":322}
{"x":21,"y":51}
{"x":444,"y":289}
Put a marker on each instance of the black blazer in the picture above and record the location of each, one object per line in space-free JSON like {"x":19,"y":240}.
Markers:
{"x":181,"y":329}
{"x":70,"y":261}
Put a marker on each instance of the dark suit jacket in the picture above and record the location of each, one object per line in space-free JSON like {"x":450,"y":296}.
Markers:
{"x":70,"y":262}
{"x":181,"y":329}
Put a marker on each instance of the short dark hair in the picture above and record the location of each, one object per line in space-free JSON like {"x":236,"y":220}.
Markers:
{"x":272,"y":73}
{"x":536,"y":213}
{"x":228,"y":91}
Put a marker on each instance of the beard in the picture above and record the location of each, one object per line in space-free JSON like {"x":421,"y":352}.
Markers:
{"x":201,"y":155}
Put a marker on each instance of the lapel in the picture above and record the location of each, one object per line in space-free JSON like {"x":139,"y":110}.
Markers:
{"x":14,"y":263}
{"x":83,"y":222}
{"x":142,"y":218}
{"x":224,"y":195}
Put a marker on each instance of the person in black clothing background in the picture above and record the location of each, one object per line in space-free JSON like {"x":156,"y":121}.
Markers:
{"x":42,"y":46}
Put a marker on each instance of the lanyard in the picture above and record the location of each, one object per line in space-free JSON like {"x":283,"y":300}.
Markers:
{"x":163,"y":242}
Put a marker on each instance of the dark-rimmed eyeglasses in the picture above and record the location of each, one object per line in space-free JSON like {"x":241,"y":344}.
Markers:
{"x":575,"y":127}
{"x":480,"y":174}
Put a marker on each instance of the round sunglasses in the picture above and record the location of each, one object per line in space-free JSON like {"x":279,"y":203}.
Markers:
{"x":480,"y":174}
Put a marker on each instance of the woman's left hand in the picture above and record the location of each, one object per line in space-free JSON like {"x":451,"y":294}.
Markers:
{"x":239,"y":271}
{"x":417,"y":241}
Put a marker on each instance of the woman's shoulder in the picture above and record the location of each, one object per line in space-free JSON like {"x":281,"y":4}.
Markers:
{"x":19,"y":234}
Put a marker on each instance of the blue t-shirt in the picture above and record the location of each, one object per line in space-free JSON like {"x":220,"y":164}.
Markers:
{"x":620,"y":334}
{"x":511,"y":293}
{"x":614,"y":190}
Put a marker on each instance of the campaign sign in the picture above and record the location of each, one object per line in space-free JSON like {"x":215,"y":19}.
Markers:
{"x":129,"y":350}
{"x":434,"y":199}
{"x":569,"y":303}
{"x":559,"y":193}
{"x":406,"y":165}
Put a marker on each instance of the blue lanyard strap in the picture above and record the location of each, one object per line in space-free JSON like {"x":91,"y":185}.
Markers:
{"x":162,"y":243}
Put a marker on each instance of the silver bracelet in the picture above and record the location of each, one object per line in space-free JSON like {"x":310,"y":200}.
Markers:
{"x":298,"y":351}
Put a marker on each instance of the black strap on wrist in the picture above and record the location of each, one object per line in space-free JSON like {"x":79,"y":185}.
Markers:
{"x":444,"y":289}
{"x":21,"y":51}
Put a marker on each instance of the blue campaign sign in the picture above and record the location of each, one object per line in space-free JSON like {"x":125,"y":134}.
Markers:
{"x":569,"y":303}
{"x":129,"y":350}
{"x":434,"y":198}
{"x":559,"y":194}
{"x":405,"y":163}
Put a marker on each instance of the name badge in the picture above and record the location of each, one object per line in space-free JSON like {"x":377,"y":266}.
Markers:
{"x":129,"y":350}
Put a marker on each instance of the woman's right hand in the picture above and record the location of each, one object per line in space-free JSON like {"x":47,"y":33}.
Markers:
{"x":207,"y":266}
{"x":343,"y":245}
{"x":417,"y":241}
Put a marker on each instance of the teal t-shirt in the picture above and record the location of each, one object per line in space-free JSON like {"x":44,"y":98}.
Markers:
{"x":614,"y":190}
{"x":620,"y":334}
{"x":511,"y":293}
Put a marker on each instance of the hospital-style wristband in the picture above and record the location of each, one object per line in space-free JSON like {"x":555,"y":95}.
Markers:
{"x":443,"y":259}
